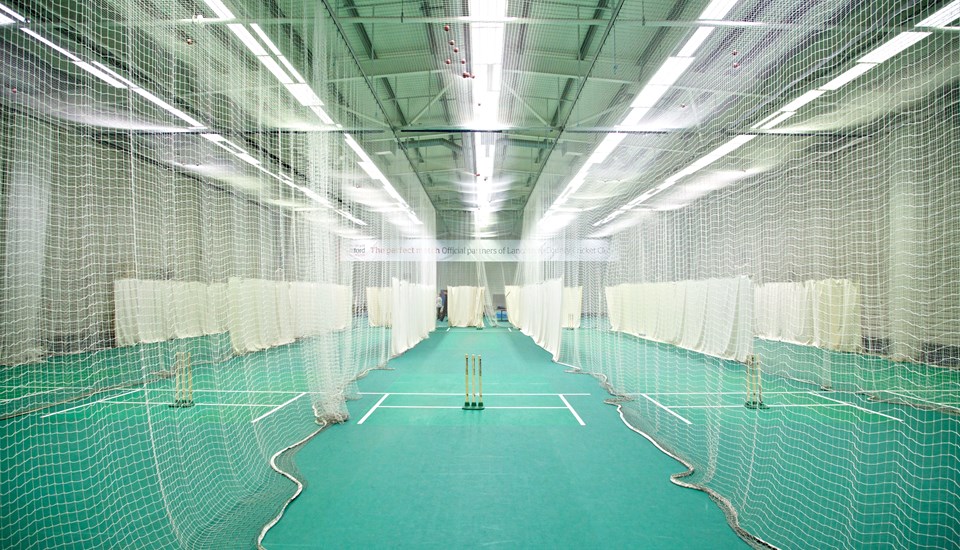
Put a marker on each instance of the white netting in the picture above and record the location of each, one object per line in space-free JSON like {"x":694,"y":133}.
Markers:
{"x":177,"y":210}
{"x":784,"y":196}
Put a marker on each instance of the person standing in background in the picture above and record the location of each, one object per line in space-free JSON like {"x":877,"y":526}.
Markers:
{"x":439,"y":306}
{"x":443,"y":298}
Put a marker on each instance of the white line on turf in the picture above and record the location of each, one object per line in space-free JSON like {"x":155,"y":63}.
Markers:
{"x":167,"y":403}
{"x":574,"y":412}
{"x":461,"y":393}
{"x":91,"y":403}
{"x":457,"y":407}
{"x":662,"y":406}
{"x":364,"y":419}
{"x":855,"y":406}
{"x":277,"y":408}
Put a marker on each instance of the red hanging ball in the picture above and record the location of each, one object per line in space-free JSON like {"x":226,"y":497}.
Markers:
{"x":473,"y":76}
{"x":452,"y":42}
{"x":466,"y":75}
{"x":456,"y":50}
{"x":447,"y":62}
{"x":463,"y":61}
{"x":735,"y":52}
{"x":446,"y":28}
{"x":736,"y":65}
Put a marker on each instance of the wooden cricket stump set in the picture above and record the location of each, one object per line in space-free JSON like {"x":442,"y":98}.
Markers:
{"x":182,"y":381}
{"x":474,"y":380}
{"x":754,"y":384}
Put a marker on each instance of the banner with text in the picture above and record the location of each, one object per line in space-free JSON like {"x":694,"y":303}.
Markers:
{"x":482,"y":250}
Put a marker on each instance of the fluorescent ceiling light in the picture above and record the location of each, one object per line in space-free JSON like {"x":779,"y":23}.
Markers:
{"x":356,"y":148}
{"x":219,"y":9}
{"x":266,"y":39}
{"x":483,"y":217}
{"x":572,"y":187}
{"x":350,"y":217}
{"x":275,"y":68}
{"x":413,"y":218}
{"x":99,"y":74}
{"x":216,"y":138}
{"x":43,"y":40}
{"x":169,"y":108}
{"x":248,"y":40}
{"x":245,"y":157}
{"x":893,"y":46}
{"x":718,"y":9}
{"x":649,"y":96}
{"x":943,"y":16}
{"x":606,"y":147}
{"x":671,"y":70}
{"x":488,"y":9}
{"x":322,"y":114}
{"x":304,"y":94}
{"x":12,"y":14}
{"x":633,"y":118}
{"x":372,"y":170}
{"x":695,"y":42}
{"x":778,"y":119}
{"x":802,"y":100}
{"x":313,"y":195}
{"x":114,"y":74}
{"x":4,"y":20}
{"x":291,"y":69}
{"x":848,"y":76}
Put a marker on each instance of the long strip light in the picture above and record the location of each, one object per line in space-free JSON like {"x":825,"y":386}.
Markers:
{"x":372,"y":170}
{"x":658,"y":85}
{"x":699,"y":164}
{"x":879,"y":55}
{"x":943,"y":16}
{"x":10,"y":17}
{"x":219,"y":9}
{"x":486,"y":61}
{"x":865,"y":64}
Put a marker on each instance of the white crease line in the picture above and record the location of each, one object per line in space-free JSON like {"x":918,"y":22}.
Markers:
{"x":779,"y":406}
{"x":575,"y":415}
{"x":856,"y":407}
{"x":798,"y":392}
{"x":167,"y":403}
{"x":510,"y":329}
{"x":461,"y":393}
{"x":278,"y":407}
{"x":364,"y":419}
{"x":91,"y":403}
{"x":662,"y":406}
{"x":452,"y":407}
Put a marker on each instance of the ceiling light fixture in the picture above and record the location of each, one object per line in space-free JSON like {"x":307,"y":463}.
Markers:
{"x":943,"y":16}
{"x":695,"y":41}
{"x":248,"y":40}
{"x":219,"y":9}
{"x":893,"y":46}
{"x":717,"y":9}
{"x":12,"y":14}
{"x":696,"y":166}
{"x":849,"y":76}
{"x":100,"y":74}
